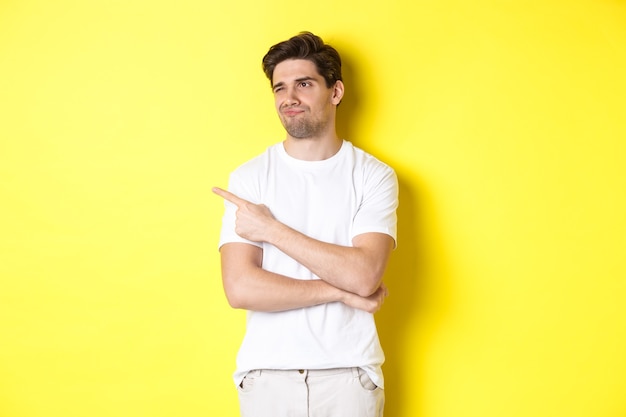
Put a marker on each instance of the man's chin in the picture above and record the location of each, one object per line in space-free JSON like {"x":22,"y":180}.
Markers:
{"x":299,"y":137}
{"x":298,"y":132}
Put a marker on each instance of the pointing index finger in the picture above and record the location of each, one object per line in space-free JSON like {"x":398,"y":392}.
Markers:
{"x":227,"y":195}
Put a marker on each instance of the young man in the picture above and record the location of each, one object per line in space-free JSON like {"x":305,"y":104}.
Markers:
{"x":307,"y":231}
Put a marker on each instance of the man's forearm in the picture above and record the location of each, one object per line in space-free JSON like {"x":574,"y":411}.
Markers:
{"x":260,"y":290}
{"x":248,"y":286}
{"x":357,"y":269}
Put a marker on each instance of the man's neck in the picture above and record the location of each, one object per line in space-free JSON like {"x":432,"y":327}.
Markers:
{"x":313,"y":149}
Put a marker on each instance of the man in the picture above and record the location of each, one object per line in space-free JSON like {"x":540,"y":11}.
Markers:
{"x":308,"y":228}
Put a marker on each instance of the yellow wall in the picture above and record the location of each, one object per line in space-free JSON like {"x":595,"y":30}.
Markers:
{"x":505,"y":121}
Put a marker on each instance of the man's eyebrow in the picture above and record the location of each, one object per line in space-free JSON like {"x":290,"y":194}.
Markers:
{"x":297,"y":80}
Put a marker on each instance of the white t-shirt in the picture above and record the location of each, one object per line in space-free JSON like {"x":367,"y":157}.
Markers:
{"x":333,"y":200}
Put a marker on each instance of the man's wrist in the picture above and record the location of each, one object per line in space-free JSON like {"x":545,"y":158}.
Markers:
{"x":276,"y":233}
{"x":342,"y":296}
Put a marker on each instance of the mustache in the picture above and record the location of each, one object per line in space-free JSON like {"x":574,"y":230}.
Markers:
{"x":292,"y":107}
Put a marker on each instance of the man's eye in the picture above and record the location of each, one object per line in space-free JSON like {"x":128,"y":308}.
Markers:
{"x":304,"y":84}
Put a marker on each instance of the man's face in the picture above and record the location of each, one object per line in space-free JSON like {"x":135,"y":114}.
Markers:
{"x":305,"y":105}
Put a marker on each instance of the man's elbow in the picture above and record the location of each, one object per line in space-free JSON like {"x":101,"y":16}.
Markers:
{"x":369,"y":284}
{"x":235,"y":302}
{"x":235,"y":297}
{"x":366,"y":291}
{"x":370,"y":269}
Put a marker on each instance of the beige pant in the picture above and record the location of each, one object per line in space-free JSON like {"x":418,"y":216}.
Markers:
{"x":342,"y":392}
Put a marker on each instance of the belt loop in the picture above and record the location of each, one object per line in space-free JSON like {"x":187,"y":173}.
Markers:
{"x":356,"y":372}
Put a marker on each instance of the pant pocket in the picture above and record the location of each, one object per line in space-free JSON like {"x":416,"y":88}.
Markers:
{"x":366,"y":381}
{"x":247,"y":383}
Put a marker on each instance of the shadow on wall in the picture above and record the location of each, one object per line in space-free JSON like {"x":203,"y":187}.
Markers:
{"x":408,"y":276}
{"x":404,"y":278}
{"x":348,"y":108}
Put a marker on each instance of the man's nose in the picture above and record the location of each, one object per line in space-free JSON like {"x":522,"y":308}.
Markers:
{"x":292,"y":97}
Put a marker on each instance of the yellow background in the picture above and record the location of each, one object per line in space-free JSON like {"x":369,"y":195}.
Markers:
{"x":505,"y":121}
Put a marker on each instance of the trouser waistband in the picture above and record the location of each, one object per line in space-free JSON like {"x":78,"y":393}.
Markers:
{"x":307,"y":372}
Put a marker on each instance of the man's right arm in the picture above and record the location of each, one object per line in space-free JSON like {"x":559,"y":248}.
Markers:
{"x":248,"y":286}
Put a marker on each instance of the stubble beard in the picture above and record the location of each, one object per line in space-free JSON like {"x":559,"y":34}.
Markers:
{"x":303,"y":128}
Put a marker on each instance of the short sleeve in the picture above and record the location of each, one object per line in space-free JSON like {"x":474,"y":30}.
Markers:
{"x":377,"y":211}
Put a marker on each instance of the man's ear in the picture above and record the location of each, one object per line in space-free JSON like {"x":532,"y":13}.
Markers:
{"x":338,"y":90}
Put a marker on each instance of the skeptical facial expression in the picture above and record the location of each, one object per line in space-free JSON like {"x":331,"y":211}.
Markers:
{"x":305,"y":105}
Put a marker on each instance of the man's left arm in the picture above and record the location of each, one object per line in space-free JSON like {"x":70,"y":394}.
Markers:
{"x":358,"y":269}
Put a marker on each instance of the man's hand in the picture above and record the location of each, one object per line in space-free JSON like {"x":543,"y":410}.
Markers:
{"x":253,"y":220}
{"x":371,"y":304}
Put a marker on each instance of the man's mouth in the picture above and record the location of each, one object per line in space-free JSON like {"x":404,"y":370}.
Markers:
{"x":292,"y":112}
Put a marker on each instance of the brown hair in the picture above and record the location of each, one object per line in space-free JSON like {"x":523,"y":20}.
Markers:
{"x":305,"y":45}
